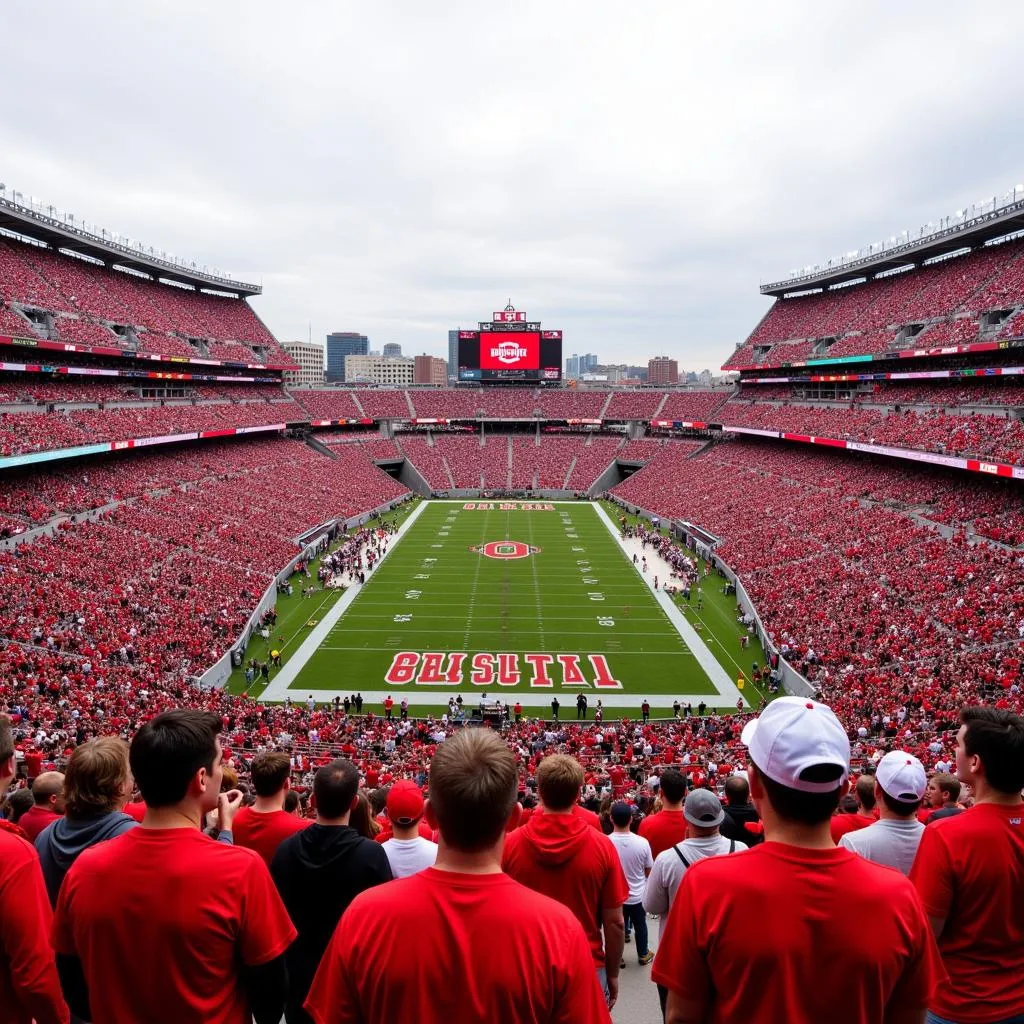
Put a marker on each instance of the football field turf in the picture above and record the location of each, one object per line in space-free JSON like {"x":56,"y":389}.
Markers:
{"x":522,"y":601}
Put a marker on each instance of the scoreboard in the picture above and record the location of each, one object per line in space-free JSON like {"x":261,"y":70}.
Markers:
{"x":508,"y":348}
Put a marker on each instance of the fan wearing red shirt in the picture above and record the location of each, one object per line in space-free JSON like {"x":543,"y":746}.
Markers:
{"x":163,"y":924}
{"x":29,"y":986}
{"x":47,"y":806}
{"x":559,"y":854}
{"x":864,"y":791}
{"x":969,"y":871}
{"x":795,"y":929}
{"x":265,"y":825}
{"x":495,"y":950}
{"x":668,"y":827}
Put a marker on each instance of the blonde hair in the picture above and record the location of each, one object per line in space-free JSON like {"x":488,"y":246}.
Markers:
{"x":97,"y":777}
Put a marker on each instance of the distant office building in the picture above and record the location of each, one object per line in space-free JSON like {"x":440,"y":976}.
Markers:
{"x":662,"y":371}
{"x":429,"y":370}
{"x":572,"y":367}
{"x":453,"y":355}
{"x":378,"y":370}
{"x":392,"y":348}
{"x":310,"y":358}
{"x":339,"y":345}
{"x":588,"y":362}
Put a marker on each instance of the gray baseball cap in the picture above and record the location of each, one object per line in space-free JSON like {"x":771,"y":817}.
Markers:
{"x":703,"y":809}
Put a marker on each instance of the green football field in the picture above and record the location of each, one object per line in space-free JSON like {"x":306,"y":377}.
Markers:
{"x":520,"y":601}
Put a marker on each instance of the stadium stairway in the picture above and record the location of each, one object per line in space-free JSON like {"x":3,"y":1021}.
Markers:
{"x":572,"y":466}
{"x":408,"y":402}
{"x":508,"y":471}
{"x":448,"y":472}
{"x":359,"y":405}
{"x":607,"y":402}
{"x":319,"y":447}
{"x":661,"y":405}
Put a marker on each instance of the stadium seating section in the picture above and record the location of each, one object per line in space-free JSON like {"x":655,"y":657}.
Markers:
{"x":944,"y":302}
{"x":83,"y":303}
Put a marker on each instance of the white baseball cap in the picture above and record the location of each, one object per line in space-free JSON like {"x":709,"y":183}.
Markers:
{"x":793,"y":734}
{"x":902,"y":776}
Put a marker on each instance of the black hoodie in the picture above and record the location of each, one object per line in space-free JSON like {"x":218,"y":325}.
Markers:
{"x":319,"y":872}
{"x":737,"y":817}
{"x":59,"y":844}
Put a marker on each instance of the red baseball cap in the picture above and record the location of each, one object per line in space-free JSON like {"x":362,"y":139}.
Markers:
{"x":405,"y":803}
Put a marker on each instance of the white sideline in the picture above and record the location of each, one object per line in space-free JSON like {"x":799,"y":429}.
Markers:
{"x":278,"y":688}
{"x":712,"y":667}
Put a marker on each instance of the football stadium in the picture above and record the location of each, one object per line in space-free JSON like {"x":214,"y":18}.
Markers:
{"x":623,"y":698}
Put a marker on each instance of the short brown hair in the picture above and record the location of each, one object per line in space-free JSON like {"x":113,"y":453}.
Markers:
{"x":473,"y":786}
{"x":866,"y":792}
{"x":948,"y":784}
{"x":270,"y":771}
{"x":559,"y":778}
{"x":96,"y":777}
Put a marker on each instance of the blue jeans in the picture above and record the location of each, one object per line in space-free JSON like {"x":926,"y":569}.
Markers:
{"x":602,"y":980}
{"x":934,"y":1018}
{"x":636,"y":916}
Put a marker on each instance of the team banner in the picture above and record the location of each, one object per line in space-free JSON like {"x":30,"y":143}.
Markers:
{"x":510,"y":350}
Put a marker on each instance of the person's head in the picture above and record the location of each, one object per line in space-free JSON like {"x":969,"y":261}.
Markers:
{"x":559,"y":778}
{"x":334,"y":788}
{"x":800,"y":761}
{"x":378,"y":799}
{"x":864,"y":791}
{"x":673,"y":786}
{"x":737,"y":790}
{"x":990,"y":750}
{"x":18,"y":803}
{"x":97,"y":780}
{"x":362,"y":818}
{"x":621,"y":814}
{"x":48,"y":791}
{"x":405,"y":805}
{"x":291,"y":803}
{"x":271,"y":772}
{"x":703,"y":812}
{"x":473,"y":783}
{"x":942,"y":789}
{"x":176,"y":757}
{"x":8,"y":765}
{"x":900,"y":782}
{"x":229,"y":779}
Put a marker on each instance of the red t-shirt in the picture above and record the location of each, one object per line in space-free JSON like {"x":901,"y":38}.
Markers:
{"x":264,"y":831}
{"x":969,"y":871}
{"x":164,"y":918}
{"x":486,"y":933}
{"x":588,"y":816}
{"x":843,"y":823}
{"x":663,"y":830}
{"x":29,"y":987}
{"x":33,"y":763}
{"x":561,"y":856}
{"x":782,"y":933}
{"x":137,"y":810}
{"x":35,"y":819}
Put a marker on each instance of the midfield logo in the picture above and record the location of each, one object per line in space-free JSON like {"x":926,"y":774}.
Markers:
{"x":539,"y":671}
{"x":505,"y":549}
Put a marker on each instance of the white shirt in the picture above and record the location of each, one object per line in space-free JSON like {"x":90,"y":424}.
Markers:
{"x":669,"y":870}
{"x":407,"y":856}
{"x":887,"y":842}
{"x":635,"y":856}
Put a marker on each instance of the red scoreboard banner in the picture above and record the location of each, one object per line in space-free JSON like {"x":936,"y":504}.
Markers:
{"x":510,"y":350}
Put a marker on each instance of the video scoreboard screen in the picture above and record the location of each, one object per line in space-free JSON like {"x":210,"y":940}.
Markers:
{"x":510,"y":349}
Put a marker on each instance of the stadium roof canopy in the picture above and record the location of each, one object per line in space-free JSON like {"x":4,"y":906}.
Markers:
{"x":46,"y":224}
{"x":968,"y":230}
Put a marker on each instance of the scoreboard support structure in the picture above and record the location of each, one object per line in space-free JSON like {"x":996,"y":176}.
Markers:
{"x":509,"y":349}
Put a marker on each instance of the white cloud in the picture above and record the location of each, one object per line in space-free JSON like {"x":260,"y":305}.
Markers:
{"x":629,"y":173}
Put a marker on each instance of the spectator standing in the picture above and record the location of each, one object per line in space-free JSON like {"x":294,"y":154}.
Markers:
{"x":941,"y":797}
{"x":47,"y":806}
{"x":485,"y":931}
{"x":970,"y":874}
{"x":778,"y":937}
{"x":97,"y":784}
{"x":198,"y":923}
{"x":407,"y":850}
{"x":559,"y":854}
{"x":318,"y":872}
{"x":635,"y":857}
{"x":29,"y":986}
{"x":741,"y":823}
{"x":864,"y":792}
{"x":667,"y":827}
{"x":266,"y":824}
{"x":704,"y":816}
{"x":900,"y":782}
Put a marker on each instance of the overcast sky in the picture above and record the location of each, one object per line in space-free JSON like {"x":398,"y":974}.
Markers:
{"x":629,"y":173}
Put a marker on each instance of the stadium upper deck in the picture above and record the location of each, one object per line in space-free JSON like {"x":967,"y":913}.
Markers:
{"x":959,"y":289}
